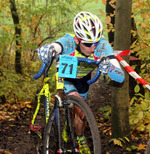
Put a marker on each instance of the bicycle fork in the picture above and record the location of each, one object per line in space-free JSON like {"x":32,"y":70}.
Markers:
{"x":59,"y":104}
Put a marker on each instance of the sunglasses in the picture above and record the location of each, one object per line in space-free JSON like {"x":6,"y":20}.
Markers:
{"x":88,"y":44}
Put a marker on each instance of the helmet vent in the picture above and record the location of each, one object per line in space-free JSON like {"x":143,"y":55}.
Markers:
{"x":93,"y":27}
{"x":88,"y":36}
{"x":78,"y":24}
{"x":85,"y":28}
{"x":79,"y":34}
{"x":98,"y":35}
{"x":82,"y":14}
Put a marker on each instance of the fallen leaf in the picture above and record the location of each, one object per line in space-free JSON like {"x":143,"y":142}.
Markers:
{"x":4,"y":151}
{"x":2,"y":118}
{"x":108,"y":20}
{"x":141,"y":147}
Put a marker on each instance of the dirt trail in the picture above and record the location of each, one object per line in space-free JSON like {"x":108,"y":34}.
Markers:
{"x":15,"y":135}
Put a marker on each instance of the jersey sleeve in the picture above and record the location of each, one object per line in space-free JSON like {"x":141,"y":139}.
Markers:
{"x":103,"y":49}
{"x":67,"y":43}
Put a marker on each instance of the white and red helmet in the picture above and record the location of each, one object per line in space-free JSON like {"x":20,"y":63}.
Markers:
{"x":87,"y":27}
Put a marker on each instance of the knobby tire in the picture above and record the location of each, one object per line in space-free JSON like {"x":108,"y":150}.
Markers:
{"x":51,"y":141}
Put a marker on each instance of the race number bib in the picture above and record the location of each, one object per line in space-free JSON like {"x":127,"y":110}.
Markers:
{"x":67,"y":66}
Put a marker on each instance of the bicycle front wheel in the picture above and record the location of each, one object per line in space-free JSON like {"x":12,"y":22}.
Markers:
{"x":56,"y":141}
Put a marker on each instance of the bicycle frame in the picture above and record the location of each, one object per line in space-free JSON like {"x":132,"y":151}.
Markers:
{"x":45,"y":91}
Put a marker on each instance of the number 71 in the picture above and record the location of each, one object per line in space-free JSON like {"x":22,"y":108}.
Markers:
{"x":65,"y":66}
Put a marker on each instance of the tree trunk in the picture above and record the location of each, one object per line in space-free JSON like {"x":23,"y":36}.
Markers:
{"x":110,"y":9}
{"x":120,"y":92}
{"x":15,"y":17}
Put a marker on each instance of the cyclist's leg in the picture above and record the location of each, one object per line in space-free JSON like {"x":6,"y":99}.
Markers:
{"x":70,"y":89}
{"x":79,"y":123}
{"x":79,"y":115}
{"x":79,"y":119}
{"x":85,"y":126}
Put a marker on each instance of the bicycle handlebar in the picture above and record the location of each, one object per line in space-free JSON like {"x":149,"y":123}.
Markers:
{"x":89,"y":61}
{"x":41,"y":71}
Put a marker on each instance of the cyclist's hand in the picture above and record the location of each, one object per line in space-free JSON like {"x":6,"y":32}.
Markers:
{"x":104,"y":66}
{"x":45,"y":53}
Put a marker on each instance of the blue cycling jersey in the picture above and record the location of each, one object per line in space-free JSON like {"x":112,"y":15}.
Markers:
{"x":69,"y":48}
{"x":68,"y":43}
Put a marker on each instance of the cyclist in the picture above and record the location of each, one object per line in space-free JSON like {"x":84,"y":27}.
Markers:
{"x":87,"y":42}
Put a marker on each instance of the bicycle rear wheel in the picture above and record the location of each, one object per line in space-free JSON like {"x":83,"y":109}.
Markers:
{"x":54,"y":141}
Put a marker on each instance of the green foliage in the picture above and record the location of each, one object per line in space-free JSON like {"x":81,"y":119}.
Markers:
{"x":120,"y":141}
{"x":106,"y":111}
{"x":140,"y":111}
{"x":16,"y":87}
{"x":141,"y":15}
{"x":40,"y":22}
{"x":131,"y":148}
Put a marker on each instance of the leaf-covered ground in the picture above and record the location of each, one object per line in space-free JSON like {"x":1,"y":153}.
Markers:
{"x":15,"y":135}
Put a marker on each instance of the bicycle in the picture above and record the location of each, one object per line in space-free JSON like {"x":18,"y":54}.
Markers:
{"x":60,"y":133}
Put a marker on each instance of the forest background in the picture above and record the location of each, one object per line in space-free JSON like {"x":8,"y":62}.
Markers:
{"x":43,"y":21}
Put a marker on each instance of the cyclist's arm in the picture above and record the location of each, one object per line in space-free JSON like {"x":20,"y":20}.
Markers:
{"x":64,"y":45}
{"x":115,"y":72}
